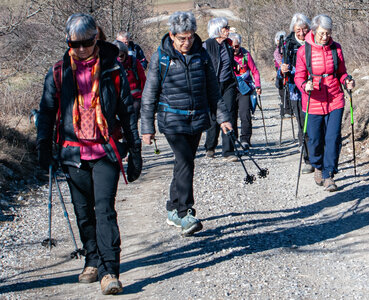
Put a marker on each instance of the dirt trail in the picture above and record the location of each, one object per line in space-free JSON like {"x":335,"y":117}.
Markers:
{"x":258,"y":242}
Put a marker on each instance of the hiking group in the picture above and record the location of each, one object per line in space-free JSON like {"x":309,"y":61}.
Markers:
{"x":95,"y":95}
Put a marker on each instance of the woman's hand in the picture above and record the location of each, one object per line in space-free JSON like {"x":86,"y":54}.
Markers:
{"x":284,"y":68}
{"x":350,"y":83}
{"x":258,"y":91}
{"x":309,"y":86}
{"x":226,"y":126}
{"x":147,"y":138}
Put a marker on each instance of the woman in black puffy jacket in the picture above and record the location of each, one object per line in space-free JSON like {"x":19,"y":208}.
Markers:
{"x":182,"y":87}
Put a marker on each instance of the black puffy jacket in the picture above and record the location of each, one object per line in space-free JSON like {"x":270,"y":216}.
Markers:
{"x":290,"y":53}
{"x":112,"y":106}
{"x":188,"y":85}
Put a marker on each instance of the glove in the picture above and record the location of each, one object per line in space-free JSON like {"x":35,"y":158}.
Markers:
{"x":45,"y":158}
{"x":134,"y":164}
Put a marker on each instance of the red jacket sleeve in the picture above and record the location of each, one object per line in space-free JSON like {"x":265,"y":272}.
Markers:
{"x":141,"y":74}
{"x":254,"y":70}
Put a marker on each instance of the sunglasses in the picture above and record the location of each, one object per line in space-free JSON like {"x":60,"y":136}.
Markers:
{"x":236,"y":46}
{"x":226,"y":27}
{"x":84,"y":43}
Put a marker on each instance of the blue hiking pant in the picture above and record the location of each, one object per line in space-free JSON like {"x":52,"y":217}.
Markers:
{"x":324,"y":143}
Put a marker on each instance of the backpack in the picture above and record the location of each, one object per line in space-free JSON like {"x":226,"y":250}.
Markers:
{"x":308,"y":61}
{"x":164,"y":63}
{"x":134,"y":67}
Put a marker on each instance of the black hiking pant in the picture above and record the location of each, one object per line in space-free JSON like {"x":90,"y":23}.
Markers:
{"x":228,"y":90}
{"x":184,"y":147}
{"x":93,"y":188}
{"x":244,"y":107}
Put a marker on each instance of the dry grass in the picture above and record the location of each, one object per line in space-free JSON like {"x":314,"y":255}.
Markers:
{"x":17,"y":150}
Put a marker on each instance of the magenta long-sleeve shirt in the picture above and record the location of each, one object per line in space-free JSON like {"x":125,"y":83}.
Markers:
{"x":84,"y":80}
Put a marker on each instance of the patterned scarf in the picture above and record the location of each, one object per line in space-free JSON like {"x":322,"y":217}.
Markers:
{"x":95,"y":101}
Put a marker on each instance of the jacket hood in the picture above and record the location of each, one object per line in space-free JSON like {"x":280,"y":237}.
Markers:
{"x":108,"y":55}
{"x":311,"y":40}
{"x":167,"y":45}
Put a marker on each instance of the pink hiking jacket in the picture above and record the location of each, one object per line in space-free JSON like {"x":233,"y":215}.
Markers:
{"x":330,"y":96}
{"x":250,"y":66}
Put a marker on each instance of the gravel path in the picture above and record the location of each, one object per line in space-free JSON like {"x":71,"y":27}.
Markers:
{"x":258,"y":241}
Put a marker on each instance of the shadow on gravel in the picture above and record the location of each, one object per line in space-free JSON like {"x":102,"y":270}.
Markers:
{"x":39,"y":283}
{"x":291,"y":238}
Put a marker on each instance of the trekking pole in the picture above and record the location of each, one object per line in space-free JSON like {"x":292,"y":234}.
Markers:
{"x":352,"y":125}
{"x":77,"y":253}
{"x":249,"y":179}
{"x":283,"y":108}
{"x":49,"y":241}
{"x":293,"y":128}
{"x":262,"y":116}
{"x":263,"y":172}
{"x":157,"y":151}
{"x":304,"y":141}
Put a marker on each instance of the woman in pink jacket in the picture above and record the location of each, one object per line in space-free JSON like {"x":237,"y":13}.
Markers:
{"x":320,"y":72}
{"x":244,"y":65}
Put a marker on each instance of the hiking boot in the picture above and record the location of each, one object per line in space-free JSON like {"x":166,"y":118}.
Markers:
{"x":173,"y":218}
{"x":190,"y":224}
{"x":329,"y":185}
{"x":110,"y":285}
{"x":210,"y":153}
{"x":307,"y":169}
{"x":246,"y":146}
{"x":88,"y":275}
{"x":230,"y":158}
{"x":318,"y":177}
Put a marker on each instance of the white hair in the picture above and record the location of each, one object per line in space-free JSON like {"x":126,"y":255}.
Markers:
{"x":278,"y":36}
{"x":121,"y":46}
{"x":81,"y":27}
{"x":299,"y":20}
{"x":124,"y":34}
{"x":235,"y":37}
{"x":323,"y":21}
{"x":215,"y":25}
{"x":181,"y":21}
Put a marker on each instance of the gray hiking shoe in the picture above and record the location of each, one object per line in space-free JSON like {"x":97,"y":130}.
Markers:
{"x":210,"y":153}
{"x":330,"y":185}
{"x":318,"y":177}
{"x":173,"y":218}
{"x":307,"y":169}
{"x":190,"y":224}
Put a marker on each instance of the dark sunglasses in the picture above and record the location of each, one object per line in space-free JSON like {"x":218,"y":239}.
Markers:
{"x":236,"y":46}
{"x":84,"y":43}
{"x":226,"y":27}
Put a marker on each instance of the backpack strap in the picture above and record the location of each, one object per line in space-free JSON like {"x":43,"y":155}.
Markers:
{"x":164,"y":60}
{"x":245,"y":57}
{"x":58,"y":77}
{"x":115,"y":75}
{"x":335,"y":57}
{"x":333,"y":48}
{"x":308,"y":58}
